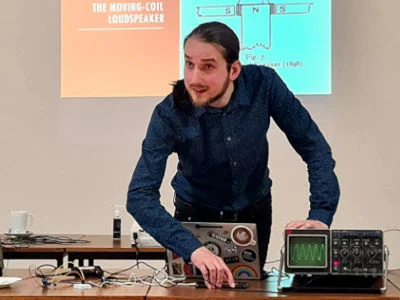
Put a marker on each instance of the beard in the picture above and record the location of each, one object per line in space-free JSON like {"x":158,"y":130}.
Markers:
{"x":213,"y":99}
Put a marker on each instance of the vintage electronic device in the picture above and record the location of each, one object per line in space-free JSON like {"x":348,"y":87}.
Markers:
{"x":336,"y":252}
{"x":335,"y":260}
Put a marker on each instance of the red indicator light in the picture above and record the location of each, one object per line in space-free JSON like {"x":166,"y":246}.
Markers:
{"x":335,"y":263}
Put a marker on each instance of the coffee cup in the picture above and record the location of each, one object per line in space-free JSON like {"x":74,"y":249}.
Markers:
{"x":243,"y":236}
{"x":20,"y":221}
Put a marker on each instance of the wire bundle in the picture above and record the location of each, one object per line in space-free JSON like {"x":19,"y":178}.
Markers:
{"x":48,"y":275}
{"x":26,"y":241}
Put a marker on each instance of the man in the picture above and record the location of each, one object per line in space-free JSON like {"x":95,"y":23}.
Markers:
{"x":216,"y":120}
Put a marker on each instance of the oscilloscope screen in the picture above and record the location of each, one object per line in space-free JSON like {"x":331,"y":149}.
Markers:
{"x":307,"y":251}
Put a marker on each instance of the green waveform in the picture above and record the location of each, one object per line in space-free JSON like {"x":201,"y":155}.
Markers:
{"x":307,"y":254}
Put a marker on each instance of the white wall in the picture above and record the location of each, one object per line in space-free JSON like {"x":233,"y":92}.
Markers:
{"x":69,"y":161}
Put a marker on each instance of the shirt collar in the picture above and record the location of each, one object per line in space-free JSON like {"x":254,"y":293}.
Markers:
{"x":239,"y":96}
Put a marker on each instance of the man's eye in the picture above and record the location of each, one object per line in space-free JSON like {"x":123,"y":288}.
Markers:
{"x":209,"y":67}
{"x":188,"y":64}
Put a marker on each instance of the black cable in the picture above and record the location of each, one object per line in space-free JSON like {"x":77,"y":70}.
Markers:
{"x":120,"y":271}
{"x":395,"y":285}
{"x":129,"y":268}
{"x":26,"y":241}
{"x":135,"y":238}
{"x":39,"y":273}
{"x":244,"y":290}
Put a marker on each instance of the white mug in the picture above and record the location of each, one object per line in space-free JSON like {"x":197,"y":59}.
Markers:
{"x":20,"y":220}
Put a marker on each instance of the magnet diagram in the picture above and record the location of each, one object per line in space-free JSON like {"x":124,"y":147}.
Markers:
{"x":254,"y":17}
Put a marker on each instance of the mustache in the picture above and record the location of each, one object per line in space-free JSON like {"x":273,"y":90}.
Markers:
{"x":197,"y":86}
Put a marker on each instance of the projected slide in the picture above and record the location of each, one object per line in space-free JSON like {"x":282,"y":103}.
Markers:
{"x":134,"y":49}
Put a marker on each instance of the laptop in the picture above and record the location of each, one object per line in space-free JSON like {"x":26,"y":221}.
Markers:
{"x":235,"y":243}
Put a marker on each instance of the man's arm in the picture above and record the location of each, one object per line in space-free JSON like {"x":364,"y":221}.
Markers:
{"x":143,"y":201}
{"x":144,"y":205}
{"x":306,"y":138}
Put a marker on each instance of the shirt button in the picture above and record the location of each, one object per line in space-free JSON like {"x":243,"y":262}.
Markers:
{"x":228,"y":138}
{"x":235,"y":182}
{"x":234,"y":163}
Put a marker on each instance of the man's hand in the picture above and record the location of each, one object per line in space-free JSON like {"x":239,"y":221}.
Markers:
{"x":306,"y":224}
{"x":214,"y":270}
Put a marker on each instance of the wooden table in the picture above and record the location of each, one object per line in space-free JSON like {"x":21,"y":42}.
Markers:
{"x":394,"y":278}
{"x":28,"y":288}
{"x":99,"y":247}
{"x":43,"y":251}
{"x":104,"y":247}
{"x":262,"y":290}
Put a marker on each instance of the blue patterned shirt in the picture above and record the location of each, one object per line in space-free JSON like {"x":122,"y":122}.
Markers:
{"x":223,"y":156}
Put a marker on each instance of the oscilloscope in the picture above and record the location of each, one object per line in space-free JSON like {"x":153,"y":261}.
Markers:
{"x":337,"y":260}
{"x":336,"y":252}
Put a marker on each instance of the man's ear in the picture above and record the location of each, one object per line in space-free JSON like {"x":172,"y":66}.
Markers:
{"x":234,"y":72}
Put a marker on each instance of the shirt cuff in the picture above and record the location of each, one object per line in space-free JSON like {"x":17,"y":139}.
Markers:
{"x":323,"y":215}
{"x":189,"y":249}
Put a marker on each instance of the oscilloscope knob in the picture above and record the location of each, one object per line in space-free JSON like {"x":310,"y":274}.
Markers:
{"x":372,"y":252}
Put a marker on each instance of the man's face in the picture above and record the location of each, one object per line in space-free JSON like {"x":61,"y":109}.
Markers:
{"x":206,"y":76}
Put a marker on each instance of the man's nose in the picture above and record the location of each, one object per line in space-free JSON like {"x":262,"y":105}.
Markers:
{"x":196,"y":76}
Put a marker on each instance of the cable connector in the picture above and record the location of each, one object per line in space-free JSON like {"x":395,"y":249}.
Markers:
{"x":46,"y":282}
{"x":82,"y":286}
{"x":135,"y":238}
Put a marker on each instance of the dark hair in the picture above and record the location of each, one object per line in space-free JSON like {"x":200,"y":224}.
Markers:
{"x":181,"y":97}
{"x":225,"y":39}
{"x":220,"y":35}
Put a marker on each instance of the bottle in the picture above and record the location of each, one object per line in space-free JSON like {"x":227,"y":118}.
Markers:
{"x":117,"y":223}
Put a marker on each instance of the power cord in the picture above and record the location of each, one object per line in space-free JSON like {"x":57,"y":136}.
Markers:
{"x":57,"y":275}
{"x":159,"y":277}
{"x":26,"y":241}
{"x":394,"y":284}
{"x":135,"y":239}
